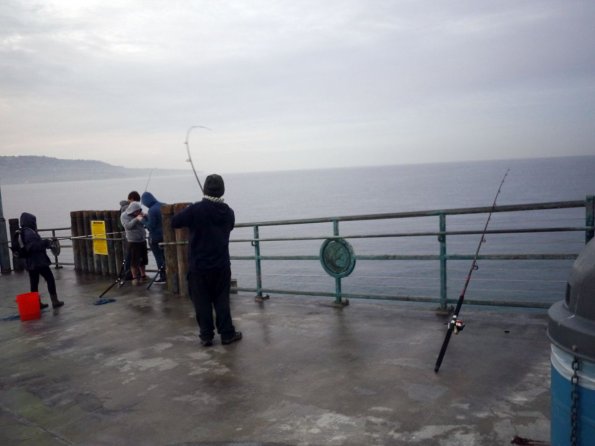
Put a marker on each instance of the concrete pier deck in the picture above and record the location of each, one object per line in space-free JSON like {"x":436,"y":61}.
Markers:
{"x":132,"y":372}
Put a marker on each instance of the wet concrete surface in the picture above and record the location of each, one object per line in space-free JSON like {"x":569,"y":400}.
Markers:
{"x":132,"y":372}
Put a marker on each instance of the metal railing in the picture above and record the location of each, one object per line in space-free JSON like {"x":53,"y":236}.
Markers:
{"x":438,"y":252}
{"x":56,"y":234}
{"x":442,"y":255}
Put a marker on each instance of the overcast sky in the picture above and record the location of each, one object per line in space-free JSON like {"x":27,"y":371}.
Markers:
{"x":298,"y":83}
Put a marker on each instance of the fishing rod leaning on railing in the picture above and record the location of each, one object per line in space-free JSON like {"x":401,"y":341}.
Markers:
{"x":455,"y":325}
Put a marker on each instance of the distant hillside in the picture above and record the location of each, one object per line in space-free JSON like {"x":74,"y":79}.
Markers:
{"x":43,"y":169}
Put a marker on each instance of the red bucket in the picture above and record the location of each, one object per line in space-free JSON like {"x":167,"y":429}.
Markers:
{"x":29,"y":307}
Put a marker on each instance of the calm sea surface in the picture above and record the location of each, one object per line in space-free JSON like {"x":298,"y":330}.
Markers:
{"x":258,"y":197}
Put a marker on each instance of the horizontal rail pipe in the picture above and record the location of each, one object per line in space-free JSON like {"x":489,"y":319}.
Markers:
{"x":441,"y":235}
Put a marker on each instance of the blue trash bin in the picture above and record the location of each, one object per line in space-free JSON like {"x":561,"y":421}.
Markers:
{"x":571,"y":329}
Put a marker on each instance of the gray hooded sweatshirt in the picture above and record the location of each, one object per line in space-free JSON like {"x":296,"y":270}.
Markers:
{"x":135,"y":230}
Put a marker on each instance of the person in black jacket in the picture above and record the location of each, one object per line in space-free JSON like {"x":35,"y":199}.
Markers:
{"x":37,"y":261}
{"x":210,"y":222}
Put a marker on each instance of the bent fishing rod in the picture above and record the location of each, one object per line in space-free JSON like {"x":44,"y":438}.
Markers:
{"x":149,"y":179}
{"x":190,"y":156}
{"x":455,"y":324}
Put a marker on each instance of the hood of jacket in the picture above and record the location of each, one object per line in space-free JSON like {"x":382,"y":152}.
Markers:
{"x":133,"y":207}
{"x":148,"y":199}
{"x":28,"y":221}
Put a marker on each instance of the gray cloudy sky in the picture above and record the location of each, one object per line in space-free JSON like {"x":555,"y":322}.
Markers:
{"x":292,"y":84}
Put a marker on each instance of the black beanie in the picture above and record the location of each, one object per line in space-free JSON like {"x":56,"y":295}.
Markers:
{"x":214,"y":186}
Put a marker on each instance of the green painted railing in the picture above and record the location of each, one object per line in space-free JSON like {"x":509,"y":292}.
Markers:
{"x":442,"y":256}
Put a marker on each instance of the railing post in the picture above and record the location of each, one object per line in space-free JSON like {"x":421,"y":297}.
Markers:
{"x":338,"y":290}
{"x":443,"y":276}
{"x":589,"y":217}
{"x":256,"y":244}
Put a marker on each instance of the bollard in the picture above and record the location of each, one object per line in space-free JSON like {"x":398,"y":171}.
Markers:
{"x":571,"y":330}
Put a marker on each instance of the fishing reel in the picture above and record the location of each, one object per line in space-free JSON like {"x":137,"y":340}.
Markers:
{"x":456,"y":324}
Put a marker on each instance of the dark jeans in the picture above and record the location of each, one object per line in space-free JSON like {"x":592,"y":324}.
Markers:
{"x":159,"y":256}
{"x":47,"y":274}
{"x":210,"y":290}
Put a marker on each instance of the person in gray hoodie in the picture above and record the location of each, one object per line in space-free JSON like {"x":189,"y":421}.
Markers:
{"x":132,"y":196}
{"x":132,"y":221}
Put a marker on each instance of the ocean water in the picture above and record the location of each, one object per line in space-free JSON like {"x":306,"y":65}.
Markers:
{"x":269,"y":196}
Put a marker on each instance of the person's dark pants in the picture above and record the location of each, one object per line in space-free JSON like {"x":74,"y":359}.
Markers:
{"x":127,"y":273}
{"x":159,"y":257}
{"x":47,"y":274}
{"x":210,"y":290}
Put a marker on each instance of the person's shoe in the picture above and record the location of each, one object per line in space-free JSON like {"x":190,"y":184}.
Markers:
{"x":42,"y":305}
{"x":236,"y":337}
{"x":56,"y":303}
{"x":135,"y":281}
{"x":206,"y":342}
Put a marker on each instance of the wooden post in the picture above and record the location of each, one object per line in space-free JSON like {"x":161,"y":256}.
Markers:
{"x":95,"y":216}
{"x":111,"y":264}
{"x":589,"y":217}
{"x":182,"y":252}
{"x":87,"y":217}
{"x":80,"y":225}
{"x":118,"y":236}
{"x":171,"y":257}
{"x":75,"y":242}
{"x":104,"y":215}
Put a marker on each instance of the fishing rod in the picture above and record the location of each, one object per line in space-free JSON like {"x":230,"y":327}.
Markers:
{"x":455,"y":324}
{"x":190,"y":156}
{"x":149,"y":180}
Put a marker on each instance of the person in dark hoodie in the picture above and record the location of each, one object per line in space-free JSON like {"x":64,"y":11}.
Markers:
{"x":154,"y":225}
{"x":210,"y":222}
{"x":37,"y":261}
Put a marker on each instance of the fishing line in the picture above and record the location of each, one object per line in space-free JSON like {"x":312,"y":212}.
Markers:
{"x":190,"y":156}
{"x":149,"y":180}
